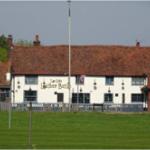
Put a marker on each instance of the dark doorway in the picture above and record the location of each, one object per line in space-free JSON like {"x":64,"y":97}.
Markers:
{"x":60,"y":97}
{"x":123,"y":98}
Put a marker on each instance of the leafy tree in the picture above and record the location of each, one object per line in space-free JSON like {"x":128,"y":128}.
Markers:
{"x":4,"y":47}
{"x":3,"y":42}
{"x":3,"y":54}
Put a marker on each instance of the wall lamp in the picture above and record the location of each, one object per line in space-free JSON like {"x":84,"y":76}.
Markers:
{"x":95,"y":85}
{"x":109,"y":91}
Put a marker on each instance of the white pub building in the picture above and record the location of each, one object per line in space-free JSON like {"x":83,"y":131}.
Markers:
{"x":99,"y":74}
{"x":88,"y":89}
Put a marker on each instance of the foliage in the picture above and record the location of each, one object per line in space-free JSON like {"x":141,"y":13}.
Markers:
{"x":3,"y":42}
{"x":87,"y":130}
{"x":4,"y":47}
{"x":3,"y":54}
{"x":23,"y":43}
{"x":145,"y":90}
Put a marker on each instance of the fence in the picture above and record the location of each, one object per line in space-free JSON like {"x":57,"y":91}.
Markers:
{"x":63,"y":107}
{"x":4,"y":106}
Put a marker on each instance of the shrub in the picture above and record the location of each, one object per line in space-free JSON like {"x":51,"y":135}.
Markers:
{"x":3,"y":54}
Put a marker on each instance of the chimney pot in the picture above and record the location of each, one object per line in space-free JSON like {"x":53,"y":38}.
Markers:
{"x":37,"y":38}
{"x":10,"y":36}
{"x":137,"y":44}
{"x":37,"y":41}
{"x":10,"y":41}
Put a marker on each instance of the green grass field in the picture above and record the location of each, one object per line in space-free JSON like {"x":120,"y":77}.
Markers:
{"x":76,"y":130}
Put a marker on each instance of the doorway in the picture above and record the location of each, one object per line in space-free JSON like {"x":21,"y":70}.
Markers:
{"x":123,"y":98}
{"x":60,"y":97}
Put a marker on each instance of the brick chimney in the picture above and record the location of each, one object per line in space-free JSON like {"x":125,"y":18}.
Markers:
{"x":137,"y":44}
{"x":36,"y":42}
{"x":10,"y":41}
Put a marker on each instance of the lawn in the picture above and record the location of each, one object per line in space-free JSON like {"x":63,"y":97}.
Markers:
{"x":76,"y":130}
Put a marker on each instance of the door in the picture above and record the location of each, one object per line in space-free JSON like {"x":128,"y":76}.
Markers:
{"x":123,"y":98}
{"x":60,"y":97}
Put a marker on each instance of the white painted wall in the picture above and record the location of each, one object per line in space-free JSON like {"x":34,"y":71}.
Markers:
{"x":96,"y":96}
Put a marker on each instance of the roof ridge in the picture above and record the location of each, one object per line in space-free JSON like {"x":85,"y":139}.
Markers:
{"x":80,"y":45}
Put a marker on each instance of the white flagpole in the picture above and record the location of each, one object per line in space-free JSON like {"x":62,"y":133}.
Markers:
{"x":69,"y":59}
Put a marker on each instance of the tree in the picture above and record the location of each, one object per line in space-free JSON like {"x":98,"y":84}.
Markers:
{"x":3,"y":42}
{"x":145,"y":90}
{"x":3,"y":54}
{"x":4,"y":47}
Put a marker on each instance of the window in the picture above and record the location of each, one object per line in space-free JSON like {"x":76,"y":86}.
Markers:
{"x":80,"y":79}
{"x":82,"y":97}
{"x":60,"y":97}
{"x":30,"y":95}
{"x":108,"y":97}
{"x":6,"y":91}
{"x":137,"y":97}
{"x":109,"y":81}
{"x":4,"y":94}
{"x":31,"y":80}
{"x":137,"y":81}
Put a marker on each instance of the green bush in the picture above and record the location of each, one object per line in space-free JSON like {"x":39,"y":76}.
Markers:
{"x":3,"y":42}
{"x":4,"y":47}
{"x":3,"y":54}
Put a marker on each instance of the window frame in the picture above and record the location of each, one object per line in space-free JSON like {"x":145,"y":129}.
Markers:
{"x":107,"y":94}
{"x":108,"y":80}
{"x":29,"y":78}
{"x":78,"y":80}
{"x":137,"y":94}
{"x":137,"y":83}
{"x":31,"y":96}
{"x":84,"y":98}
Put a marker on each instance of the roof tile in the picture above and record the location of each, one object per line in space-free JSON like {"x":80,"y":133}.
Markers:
{"x":88,"y":60}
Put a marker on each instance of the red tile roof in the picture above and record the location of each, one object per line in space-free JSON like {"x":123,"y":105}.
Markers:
{"x":4,"y":68}
{"x":87,"y":60}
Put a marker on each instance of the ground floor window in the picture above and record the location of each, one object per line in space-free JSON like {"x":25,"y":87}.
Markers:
{"x":108,"y":97}
{"x":30,"y":95}
{"x":81,"y":98}
{"x":4,"y":94}
{"x":137,"y":97}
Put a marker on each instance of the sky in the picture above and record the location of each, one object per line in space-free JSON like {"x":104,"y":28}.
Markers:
{"x":92,"y":22}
